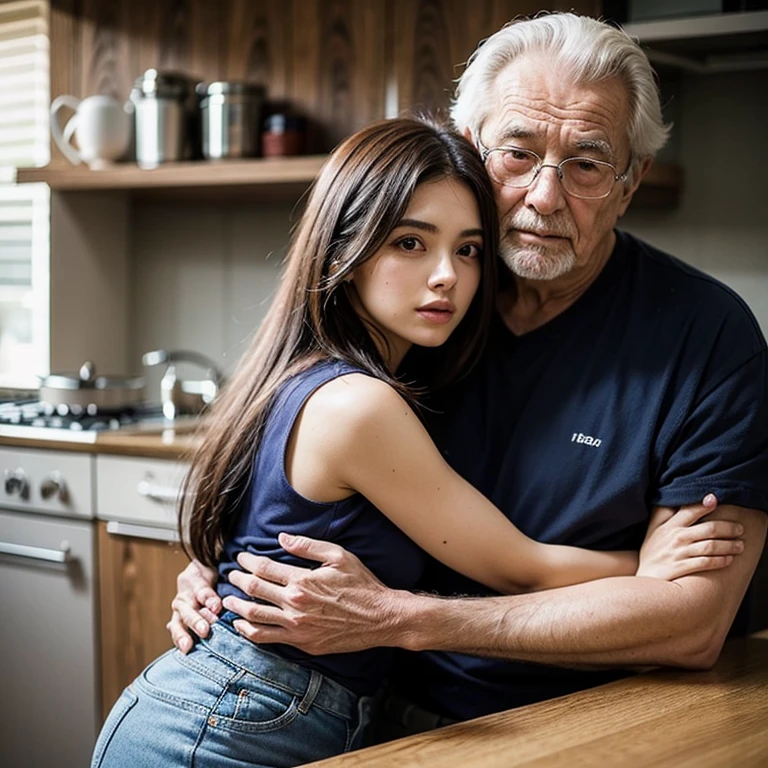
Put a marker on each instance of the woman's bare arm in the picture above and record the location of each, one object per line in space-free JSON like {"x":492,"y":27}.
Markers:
{"x":357,"y":434}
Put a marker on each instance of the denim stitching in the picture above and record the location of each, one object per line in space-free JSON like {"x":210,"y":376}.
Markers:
{"x":241,"y":726}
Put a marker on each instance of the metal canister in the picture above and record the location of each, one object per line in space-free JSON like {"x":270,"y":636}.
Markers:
{"x":231,"y":118}
{"x":161,"y":103}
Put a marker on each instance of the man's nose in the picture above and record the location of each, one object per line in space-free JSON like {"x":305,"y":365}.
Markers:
{"x":545,"y":193}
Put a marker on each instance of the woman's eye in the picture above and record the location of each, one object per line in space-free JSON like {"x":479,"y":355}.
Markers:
{"x":409,"y":243}
{"x":470,"y":250}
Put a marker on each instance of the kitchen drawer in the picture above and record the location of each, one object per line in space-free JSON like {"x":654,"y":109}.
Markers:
{"x":65,"y":478}
{"x":139,"y":491}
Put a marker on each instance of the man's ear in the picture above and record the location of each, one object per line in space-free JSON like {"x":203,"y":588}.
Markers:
{"x":630,"y":189}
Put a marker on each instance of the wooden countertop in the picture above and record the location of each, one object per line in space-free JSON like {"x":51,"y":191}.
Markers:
{"x":661,"y":719}
{"x":167,"y":444}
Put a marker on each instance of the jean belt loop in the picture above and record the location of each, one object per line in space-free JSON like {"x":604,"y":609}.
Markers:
{"x":315,"y":681}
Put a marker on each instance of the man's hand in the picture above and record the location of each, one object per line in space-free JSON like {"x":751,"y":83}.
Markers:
{"x":195,"y":606}
{"x":336,"y":608}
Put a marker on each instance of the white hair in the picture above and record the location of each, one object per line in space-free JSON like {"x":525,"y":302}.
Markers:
{"x":589,"y":50}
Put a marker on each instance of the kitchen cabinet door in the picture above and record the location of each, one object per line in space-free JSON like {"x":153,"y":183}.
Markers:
{"x":137,"y":584}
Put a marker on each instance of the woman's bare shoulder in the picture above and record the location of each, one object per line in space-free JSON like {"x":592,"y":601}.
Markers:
{"x":355,"y":399}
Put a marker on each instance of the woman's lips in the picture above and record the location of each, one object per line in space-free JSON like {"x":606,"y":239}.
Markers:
{"x":436,"y":316}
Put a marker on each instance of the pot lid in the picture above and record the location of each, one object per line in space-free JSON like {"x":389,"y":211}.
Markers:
{"x":232,"y":87}
{"x":86,"y":378}
{"x":163,"y":84}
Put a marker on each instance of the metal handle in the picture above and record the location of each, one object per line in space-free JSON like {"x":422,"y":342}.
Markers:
{"x":158,"y":356}
{"x":62,"y":555}
{"x":158,"y":493}
{"x":141,"y":531}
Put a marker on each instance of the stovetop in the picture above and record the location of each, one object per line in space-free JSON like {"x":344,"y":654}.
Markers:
{"x":72,"y":423}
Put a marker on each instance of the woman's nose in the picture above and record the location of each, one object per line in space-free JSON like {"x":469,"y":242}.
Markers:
{"x":444,"y":273}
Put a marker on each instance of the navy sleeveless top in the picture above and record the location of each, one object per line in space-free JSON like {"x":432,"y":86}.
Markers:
{"x":271,"y":505}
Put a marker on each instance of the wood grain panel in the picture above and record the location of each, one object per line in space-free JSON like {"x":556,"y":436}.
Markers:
{"x":137,"y":581}
{"x":256,"y":43}
{"x":175,"y":35}
{"x":434,"y":38}
{"x":584,"y":7}
{"x":103,"y":50}
{"x":63,"y":29}
{"x":343,"y":63}
{"x":339,"y":65}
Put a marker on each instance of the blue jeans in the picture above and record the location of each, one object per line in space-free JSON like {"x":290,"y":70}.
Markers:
{"x":229,"y":703}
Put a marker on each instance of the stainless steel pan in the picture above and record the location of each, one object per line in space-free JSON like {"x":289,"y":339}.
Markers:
{"x":86,"y":388}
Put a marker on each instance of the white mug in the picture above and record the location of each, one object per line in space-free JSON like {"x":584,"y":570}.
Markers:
{"x":101,"y":126}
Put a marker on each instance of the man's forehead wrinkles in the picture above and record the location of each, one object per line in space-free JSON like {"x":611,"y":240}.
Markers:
{"x":527,"y":125}
{"x":594,"y":115}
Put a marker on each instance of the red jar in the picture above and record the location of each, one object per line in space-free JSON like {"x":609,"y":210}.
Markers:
{"x":283,"y":135}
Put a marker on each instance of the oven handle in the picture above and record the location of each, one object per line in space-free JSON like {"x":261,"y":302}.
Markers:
{"x":158,"y":493}
{"x":63,"y":555}
{"x":142,"y":531}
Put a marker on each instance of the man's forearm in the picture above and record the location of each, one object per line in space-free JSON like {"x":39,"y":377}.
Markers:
{"x":341,"y":607}
{"x":616,"y":622}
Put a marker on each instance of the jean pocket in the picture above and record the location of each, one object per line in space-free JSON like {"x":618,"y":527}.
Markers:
{"x":122,"y":707}
{"x":254,"y":705}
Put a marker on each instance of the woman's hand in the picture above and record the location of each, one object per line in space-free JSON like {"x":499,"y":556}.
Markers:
{"x":678,"y":543}
{"x":195,"y":606}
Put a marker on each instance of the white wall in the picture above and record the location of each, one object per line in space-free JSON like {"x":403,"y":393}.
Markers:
{"x":203,"y":276}
{"x":721,"y":225}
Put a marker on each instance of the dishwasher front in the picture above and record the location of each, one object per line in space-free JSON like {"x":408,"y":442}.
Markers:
{"x":48,"y":651}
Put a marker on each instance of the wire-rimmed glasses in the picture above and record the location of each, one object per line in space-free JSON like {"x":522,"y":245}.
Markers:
{"x":582,"y":177}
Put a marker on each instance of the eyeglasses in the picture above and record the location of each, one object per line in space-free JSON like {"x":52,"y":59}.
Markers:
{"x":581,"y":177}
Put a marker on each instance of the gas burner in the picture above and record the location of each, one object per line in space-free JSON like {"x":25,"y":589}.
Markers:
{"x":33,"y":418}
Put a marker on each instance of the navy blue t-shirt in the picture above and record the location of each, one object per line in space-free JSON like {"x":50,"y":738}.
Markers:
{"x":651,"y":389}
{"x":272,"y":505}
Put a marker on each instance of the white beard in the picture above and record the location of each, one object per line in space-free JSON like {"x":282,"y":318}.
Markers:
{"x":538,"y":262}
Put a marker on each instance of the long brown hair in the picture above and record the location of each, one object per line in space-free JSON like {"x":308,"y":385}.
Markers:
{"x":360,"y":195}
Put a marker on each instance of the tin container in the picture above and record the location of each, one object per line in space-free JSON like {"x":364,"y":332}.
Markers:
{"x":231,"y":116}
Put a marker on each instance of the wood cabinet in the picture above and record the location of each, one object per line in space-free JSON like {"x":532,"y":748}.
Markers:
{"x":137,"y":579}
{"x":343,"y":63}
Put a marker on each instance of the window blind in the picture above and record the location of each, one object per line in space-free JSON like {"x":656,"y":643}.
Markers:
{"x":24,"y":209}
{"x":24,"y":83}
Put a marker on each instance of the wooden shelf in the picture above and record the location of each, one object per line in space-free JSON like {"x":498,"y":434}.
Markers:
{"x":726,"y":42}
{"x":283,"y":178}
{"x":263,"y":178}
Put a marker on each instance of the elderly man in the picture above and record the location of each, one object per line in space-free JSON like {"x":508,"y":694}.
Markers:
{"x":617,"y":380}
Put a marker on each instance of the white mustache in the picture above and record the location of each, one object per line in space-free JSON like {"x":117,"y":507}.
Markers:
{"x":529,"y":221}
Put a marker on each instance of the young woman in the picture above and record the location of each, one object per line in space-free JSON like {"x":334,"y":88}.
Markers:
{"x":316,"y":434}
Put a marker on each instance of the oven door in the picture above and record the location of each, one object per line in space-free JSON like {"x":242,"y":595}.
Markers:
{"x":48,"y":696}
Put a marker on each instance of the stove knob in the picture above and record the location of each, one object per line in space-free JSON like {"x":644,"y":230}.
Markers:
{"x":54,"y":487}
{"x":16,"y":483}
